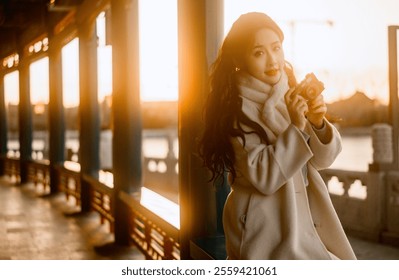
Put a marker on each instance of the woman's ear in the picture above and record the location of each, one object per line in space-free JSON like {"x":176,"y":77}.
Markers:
{"x":237,"y":65}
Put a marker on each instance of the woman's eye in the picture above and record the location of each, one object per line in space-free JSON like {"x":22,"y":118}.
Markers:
{"x":258,"y":53}
{"x":277,"y":48}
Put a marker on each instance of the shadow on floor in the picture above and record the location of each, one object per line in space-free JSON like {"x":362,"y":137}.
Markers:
{"x":36,"y":227}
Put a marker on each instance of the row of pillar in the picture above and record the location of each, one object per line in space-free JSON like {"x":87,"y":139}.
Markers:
{"x":126,"y":101}
{"x":3,"y":125}
{"x":200,"y":30}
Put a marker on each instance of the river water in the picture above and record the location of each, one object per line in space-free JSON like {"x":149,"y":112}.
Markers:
{"x":356,"y":155}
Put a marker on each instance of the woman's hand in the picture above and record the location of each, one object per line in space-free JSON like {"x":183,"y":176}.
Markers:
{"x":317,"y":111}
{"x":297,"y":108}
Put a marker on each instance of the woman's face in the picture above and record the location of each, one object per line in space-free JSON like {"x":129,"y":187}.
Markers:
{"x":265,"y":57}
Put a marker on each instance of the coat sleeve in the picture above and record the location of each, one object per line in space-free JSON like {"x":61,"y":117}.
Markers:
{"x":325,"y":146}
{"x":268,"y":167}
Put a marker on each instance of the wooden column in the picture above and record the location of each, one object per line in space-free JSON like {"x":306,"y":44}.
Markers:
{"x":3,"y":126}
{"x":89,"y":134}
{"x":127,"y":125}
{"x":24,"y":118}
{"x":393,"y":90}
{"x":56,"y":113}
{"x":214,"y":37}
{"x":200,"y":24}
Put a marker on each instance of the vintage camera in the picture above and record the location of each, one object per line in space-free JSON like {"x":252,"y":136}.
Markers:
{"x":310,"y":87}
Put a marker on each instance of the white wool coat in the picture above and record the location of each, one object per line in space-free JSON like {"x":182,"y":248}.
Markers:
{"x":271,"y":213}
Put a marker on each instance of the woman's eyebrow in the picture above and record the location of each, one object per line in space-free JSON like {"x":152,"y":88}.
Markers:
{"x":258,"y":46}
{"x":263,"y":46}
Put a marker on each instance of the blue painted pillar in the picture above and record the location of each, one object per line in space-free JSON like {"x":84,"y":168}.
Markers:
{"x":200,"y":25}
{"x":24,"y":117}
{"x":3,"y":126}
{"x":127,"y":126}
{"x":56,"y":113}
{"x":89,"y":134}
{"x":393,"y":32}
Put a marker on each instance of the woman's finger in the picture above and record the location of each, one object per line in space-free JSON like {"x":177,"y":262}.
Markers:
{"x":299,"y":100}
{"x":317,"y":101}
{"x":303,"y":108}
{"x":319,"y":109}
{"x":288,"y":96}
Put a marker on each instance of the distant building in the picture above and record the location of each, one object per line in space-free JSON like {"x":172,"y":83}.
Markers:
{"x":357,"y":110}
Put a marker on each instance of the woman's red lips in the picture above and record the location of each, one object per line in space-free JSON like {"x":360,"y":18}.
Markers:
{"x":272,"y":72}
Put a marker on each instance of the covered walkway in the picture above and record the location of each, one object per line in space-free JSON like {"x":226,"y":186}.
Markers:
{"x":109,"y":202}
{"x":34,"y":227}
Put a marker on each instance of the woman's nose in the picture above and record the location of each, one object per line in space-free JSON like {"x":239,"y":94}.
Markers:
{"x":271,"y":59}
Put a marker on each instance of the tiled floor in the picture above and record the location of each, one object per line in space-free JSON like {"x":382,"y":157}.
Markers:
{"x":33,"y":227}
{"x":37,"y":228}
{"x":372,"y":251}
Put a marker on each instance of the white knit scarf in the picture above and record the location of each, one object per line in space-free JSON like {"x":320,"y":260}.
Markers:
{"x":265,"y":102}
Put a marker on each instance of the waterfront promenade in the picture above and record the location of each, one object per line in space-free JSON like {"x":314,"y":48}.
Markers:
{"x":43,"y":228}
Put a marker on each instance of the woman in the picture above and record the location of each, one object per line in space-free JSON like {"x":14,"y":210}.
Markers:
{"x":271,"y":140}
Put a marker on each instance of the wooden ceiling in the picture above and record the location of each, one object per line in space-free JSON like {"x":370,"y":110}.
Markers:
{"x":23,"y":20}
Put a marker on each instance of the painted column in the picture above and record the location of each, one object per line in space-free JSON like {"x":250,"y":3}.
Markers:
{"x":214,"y":37}
{"x":89,"y":134}
{"x":393,"y":90}
{"x":389,"y":229}
{"x":127,"y":126}
{"x":3,"y":126}
{"x":200,"y":28}
{"x":56,"y":113}
{"x":24,"y":118}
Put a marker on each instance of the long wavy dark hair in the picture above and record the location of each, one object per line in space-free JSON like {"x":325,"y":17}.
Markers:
{"x":223,"y":115}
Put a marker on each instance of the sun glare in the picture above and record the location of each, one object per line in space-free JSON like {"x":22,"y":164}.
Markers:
{"x":104,"y":60}
{"x":39,"y":81}
{"x":70,"y":73}
{"x":166,"y":209}
{"x":11,"y":88}
{"x":158,"y":50}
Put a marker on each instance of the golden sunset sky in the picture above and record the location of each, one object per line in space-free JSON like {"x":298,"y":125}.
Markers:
{"x":344,"y":42}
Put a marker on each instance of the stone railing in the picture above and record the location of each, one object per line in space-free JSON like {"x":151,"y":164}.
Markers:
{"x":346,"y":183}
{"x":358,"y":199}
{"x":367,"y":203}
{"x":391,"y":234}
